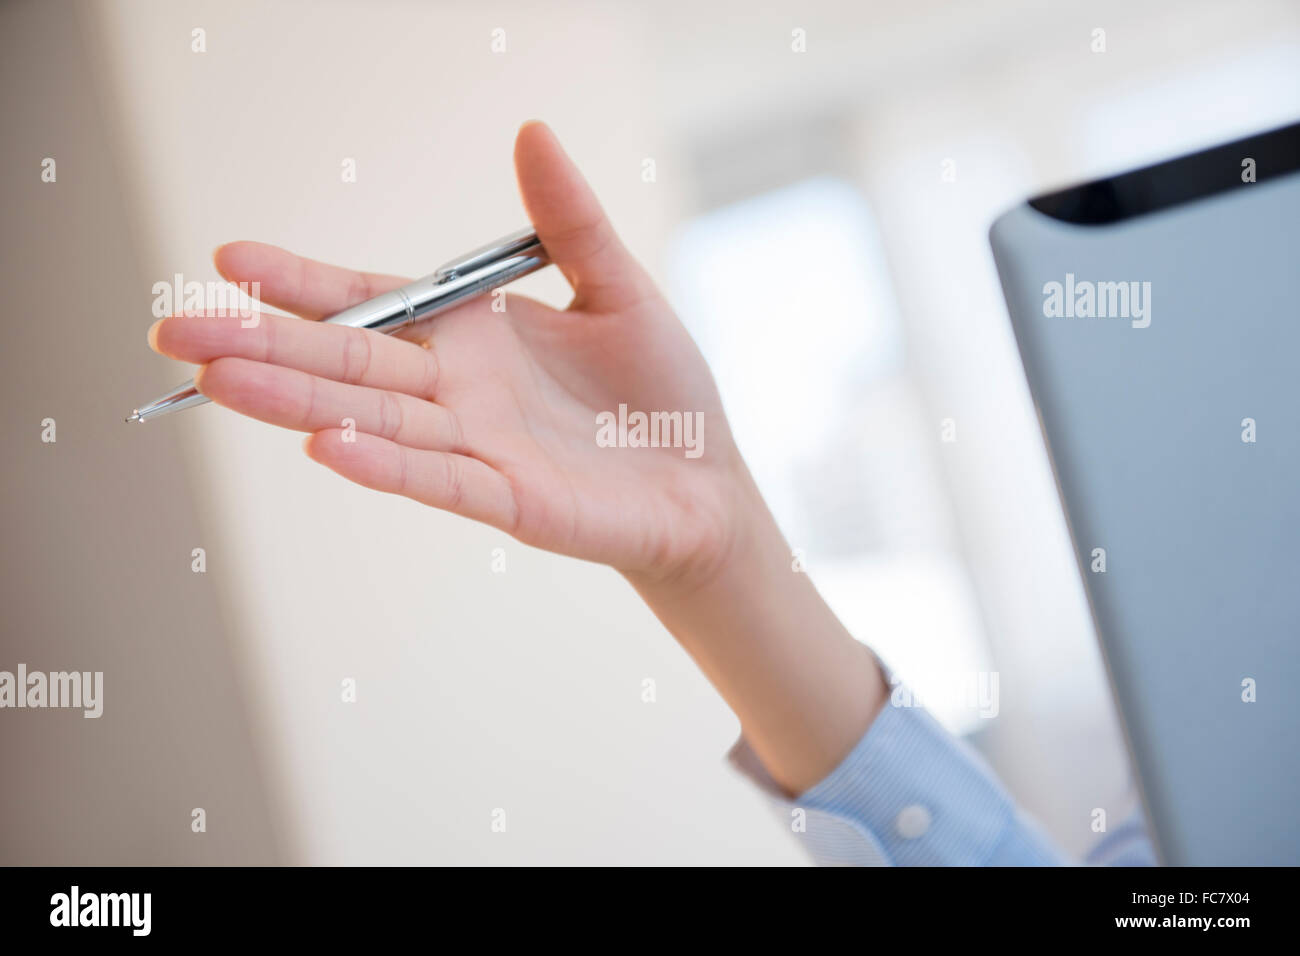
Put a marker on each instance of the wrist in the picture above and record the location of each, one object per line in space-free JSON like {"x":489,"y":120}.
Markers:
{"x":803,"y":688}
{"x":743,"y":531}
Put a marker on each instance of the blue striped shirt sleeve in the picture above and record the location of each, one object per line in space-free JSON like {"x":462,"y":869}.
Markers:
{"x":912,"y":794}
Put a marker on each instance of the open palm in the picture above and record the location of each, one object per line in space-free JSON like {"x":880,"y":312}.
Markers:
{"x":493,"y":415}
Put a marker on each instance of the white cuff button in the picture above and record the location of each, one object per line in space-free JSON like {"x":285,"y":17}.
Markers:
{"x":912,"y":822}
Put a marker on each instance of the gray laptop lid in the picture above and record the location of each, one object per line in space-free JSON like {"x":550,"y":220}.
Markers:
{"x":1158,"y":321}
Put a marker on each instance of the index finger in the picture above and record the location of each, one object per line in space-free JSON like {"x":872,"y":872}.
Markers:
{"x":313,"y":290}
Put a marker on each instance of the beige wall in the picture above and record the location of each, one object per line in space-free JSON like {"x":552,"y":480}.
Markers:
{"x":99,"y":525}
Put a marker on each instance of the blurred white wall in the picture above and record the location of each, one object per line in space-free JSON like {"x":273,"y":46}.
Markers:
{"x":521,"y":691}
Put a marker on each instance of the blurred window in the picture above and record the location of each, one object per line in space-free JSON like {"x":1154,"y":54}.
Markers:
{"x":788,"y":295}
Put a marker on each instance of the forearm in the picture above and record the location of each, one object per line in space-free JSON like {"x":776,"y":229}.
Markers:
{"x":804,"y":690}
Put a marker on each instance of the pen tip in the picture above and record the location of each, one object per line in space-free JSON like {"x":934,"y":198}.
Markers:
{"x":135,"y":416}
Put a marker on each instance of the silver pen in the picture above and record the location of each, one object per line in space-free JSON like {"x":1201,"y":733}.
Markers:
{"x":464,"y":278}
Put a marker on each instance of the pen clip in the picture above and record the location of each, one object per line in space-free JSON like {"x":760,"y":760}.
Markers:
{"x":512,"y":245}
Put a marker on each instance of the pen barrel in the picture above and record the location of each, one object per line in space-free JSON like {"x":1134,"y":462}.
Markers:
{"x":434,"y":294}
{"x":384,"y":313}
{"x":437,"y":293}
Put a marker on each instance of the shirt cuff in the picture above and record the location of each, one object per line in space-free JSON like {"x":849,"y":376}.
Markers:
{"x":908,"y":794}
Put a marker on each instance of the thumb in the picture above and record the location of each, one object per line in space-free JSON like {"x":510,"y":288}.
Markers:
{"x":572,"y":226}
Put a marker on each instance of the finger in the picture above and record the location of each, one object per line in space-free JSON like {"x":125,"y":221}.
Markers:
{"x":351,"y":356}
{"x":304,"y":287}
{"x":307,"y":403}
{"x":465,"y":486}
{"x":573,"y":227}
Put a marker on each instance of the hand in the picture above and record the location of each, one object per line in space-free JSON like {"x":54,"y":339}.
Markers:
{"x":494,"y":415}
